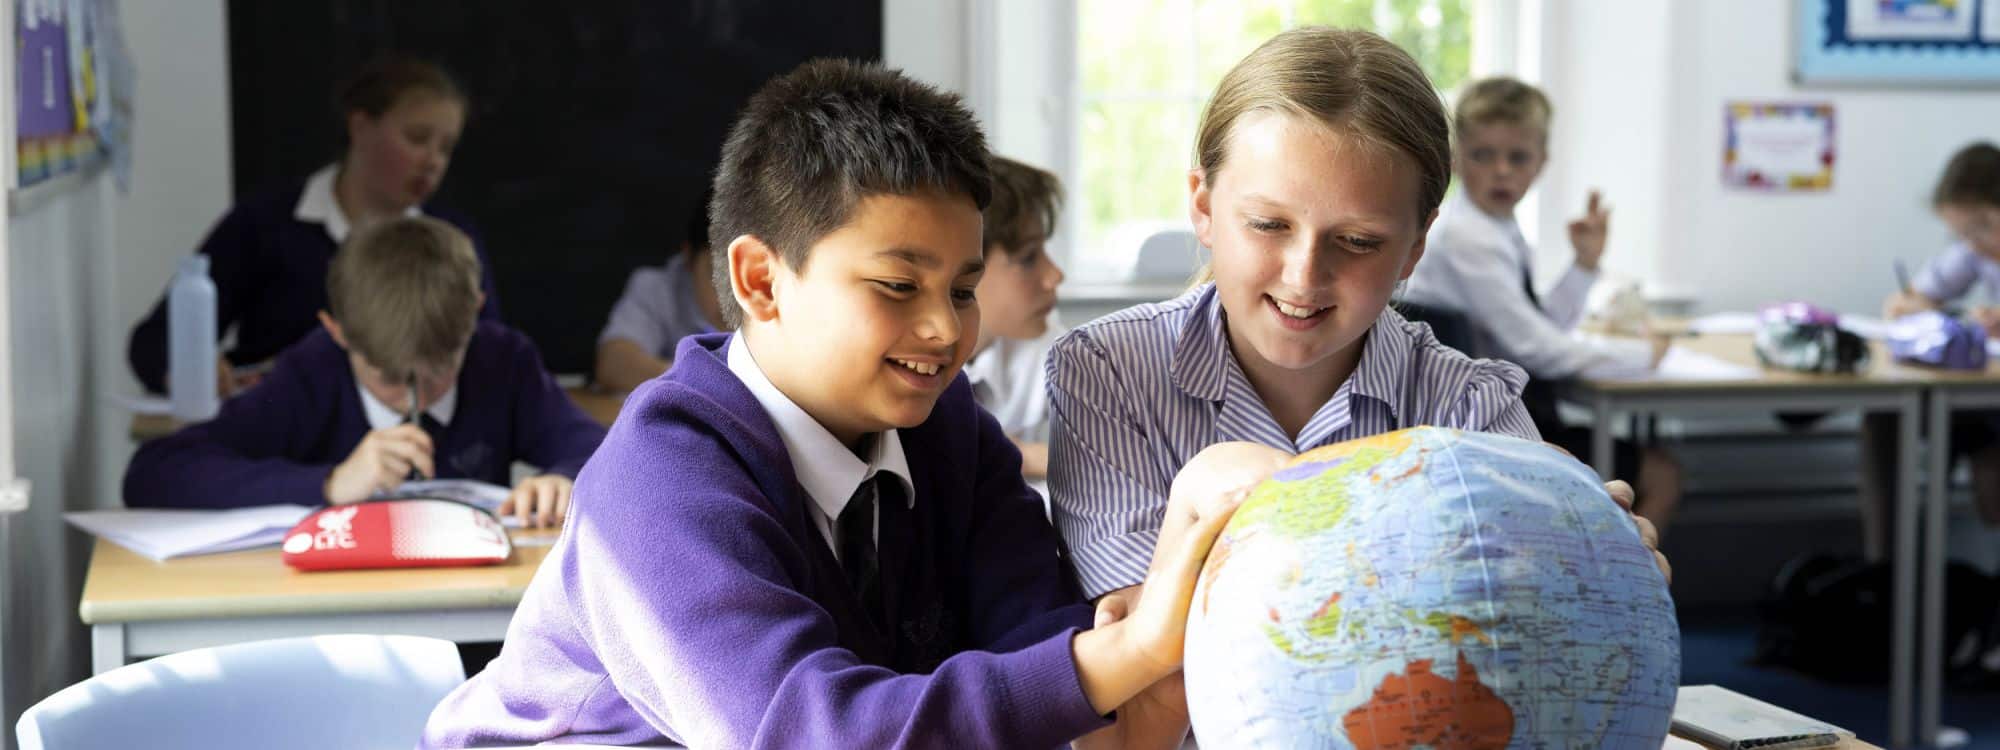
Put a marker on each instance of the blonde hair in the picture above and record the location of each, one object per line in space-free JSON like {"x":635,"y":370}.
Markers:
{"x":1352,"y":81}
{"x":1505,"y":101}
{"x":406,"y":294}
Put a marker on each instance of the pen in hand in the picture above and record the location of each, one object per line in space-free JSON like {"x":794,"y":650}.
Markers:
{"x":413,"y":418}
{"x":1902,"y":276}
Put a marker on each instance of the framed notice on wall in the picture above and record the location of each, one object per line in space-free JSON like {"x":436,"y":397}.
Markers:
{"x":1896,"y":42}
{"x":1778,"y":146}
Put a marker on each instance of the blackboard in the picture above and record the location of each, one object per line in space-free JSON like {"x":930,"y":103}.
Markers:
{"x":592,"y":130}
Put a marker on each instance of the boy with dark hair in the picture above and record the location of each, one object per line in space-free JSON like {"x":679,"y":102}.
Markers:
{"x":330,"y":422}
{"x":1017,"y":295}
{"x":806,"y":533}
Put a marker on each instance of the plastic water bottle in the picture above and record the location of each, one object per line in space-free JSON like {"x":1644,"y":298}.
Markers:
{"x":191,"y":342}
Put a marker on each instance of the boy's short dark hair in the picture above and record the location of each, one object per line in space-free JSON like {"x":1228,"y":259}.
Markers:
{"x":813,"y":142}
{"x":406,"y":294}
{"x":1971,"y":178}
{"x":1020,"y":193}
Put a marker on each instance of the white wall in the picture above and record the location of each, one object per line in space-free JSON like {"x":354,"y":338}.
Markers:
{"x":926,"y":39}
{"x":181,"y":176}
{"x":1646,"y":123}
{"x":82,"y":268}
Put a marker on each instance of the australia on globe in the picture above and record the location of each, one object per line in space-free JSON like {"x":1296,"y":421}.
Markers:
{"x":1431,"y":588}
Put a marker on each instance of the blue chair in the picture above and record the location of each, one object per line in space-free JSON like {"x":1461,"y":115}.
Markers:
{"x":336,"y":691}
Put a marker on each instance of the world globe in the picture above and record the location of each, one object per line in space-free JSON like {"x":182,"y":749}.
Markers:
{"x":1431,"y":588}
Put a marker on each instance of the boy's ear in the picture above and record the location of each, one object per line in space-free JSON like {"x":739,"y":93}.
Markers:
{"x":333,"y":328}
{"x":1199,"y":211}
{"x":1417,"y":251}
{"x":753,"y":275}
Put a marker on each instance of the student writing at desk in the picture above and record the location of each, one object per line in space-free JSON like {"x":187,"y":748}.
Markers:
{"x":1967,"y":199}
{"x":268,"y":255}
{"x":328,"y":424}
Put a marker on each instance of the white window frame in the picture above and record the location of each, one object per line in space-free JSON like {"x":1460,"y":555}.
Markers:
{"x":1021,"y":61}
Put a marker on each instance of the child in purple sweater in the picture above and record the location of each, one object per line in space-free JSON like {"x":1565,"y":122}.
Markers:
{"x":807,"y":534}
{"x":331,"y":421}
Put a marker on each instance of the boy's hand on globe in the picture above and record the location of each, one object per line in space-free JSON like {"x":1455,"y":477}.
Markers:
{"x":1622,"y":494}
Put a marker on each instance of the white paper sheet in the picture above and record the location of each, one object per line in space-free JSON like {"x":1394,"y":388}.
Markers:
{"x":1682,"y":364}
{"x":163,"y":534}
{"x":1724,"y":322}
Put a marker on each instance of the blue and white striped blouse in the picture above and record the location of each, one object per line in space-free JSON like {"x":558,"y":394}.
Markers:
{"x":1133,"y":396}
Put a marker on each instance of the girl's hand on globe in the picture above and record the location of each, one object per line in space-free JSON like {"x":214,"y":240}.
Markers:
{"x":1119,"y":660}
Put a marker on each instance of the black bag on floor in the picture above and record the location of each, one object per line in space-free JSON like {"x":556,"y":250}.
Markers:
{"x":1829,"y":617}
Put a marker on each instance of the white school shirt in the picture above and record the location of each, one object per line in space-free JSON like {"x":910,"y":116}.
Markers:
{"x":1475,"y":263}
{"x":1955,"y":272}
{"x":1010,"y":380}
{"x":317,"y":204}
{"x":827,"y":470}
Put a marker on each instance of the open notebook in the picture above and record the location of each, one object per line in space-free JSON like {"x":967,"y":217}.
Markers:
{"x":1721,"y":718}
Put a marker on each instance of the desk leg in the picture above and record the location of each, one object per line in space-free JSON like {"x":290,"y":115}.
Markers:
{"x":1903,"y":628}
{"x":107,"y":647}
{"x":1600,"y":437}
{"x":1931,"y":621}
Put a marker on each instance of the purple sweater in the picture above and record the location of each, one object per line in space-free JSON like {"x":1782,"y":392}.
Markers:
{"x":691,"y":599}
{"x":269,"y":269}
{"x":276,"y":442}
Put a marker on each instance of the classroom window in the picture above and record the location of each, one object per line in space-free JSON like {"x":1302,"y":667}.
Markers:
{"x":1146,"y":67}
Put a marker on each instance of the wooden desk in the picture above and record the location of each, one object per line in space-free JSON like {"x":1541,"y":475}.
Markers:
{"x":600,"y":405}
{"x":1882,"y":386}
{"x":138,"y":608}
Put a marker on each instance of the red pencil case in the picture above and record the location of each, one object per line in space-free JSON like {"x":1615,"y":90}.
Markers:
{"x":412,"y":533}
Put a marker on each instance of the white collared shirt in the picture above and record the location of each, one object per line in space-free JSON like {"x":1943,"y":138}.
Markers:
{"x":381,"y":416}
{"x":1473,"y":263}
{"x":827,"y":470}
{"x":1009,"y":379}
{"x":318,"y":205}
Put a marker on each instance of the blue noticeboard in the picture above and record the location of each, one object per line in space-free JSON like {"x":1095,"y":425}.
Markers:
{"x":1945,"y":43}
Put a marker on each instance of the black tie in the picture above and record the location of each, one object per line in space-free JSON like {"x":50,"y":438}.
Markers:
{"x":855,"y":530}
{"x":1527,"y":273}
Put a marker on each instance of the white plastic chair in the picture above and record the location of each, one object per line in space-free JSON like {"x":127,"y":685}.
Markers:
{"x":351,"y":692}
{"x":1169,"y":255}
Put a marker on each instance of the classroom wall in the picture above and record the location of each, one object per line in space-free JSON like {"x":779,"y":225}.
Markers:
{"x":1621,"y":99}
{"x":82,"y":268}
{"x":181,"y":176}
{"x":927,"y":39}
{"x":57,"y":296}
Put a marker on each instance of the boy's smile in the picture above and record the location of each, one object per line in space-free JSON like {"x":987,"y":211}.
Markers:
{"x":877,"y":323}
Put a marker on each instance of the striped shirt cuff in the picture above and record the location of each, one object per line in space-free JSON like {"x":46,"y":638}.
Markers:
{"x":1114,"y":562}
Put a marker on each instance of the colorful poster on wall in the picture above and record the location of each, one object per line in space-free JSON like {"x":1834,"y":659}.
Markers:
{"x":1778,"y":146}
{"x":60,"y":114}
{"x":1908,"y":42}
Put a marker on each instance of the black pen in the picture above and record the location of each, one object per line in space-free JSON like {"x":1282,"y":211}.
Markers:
{"x":413,"y":418}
